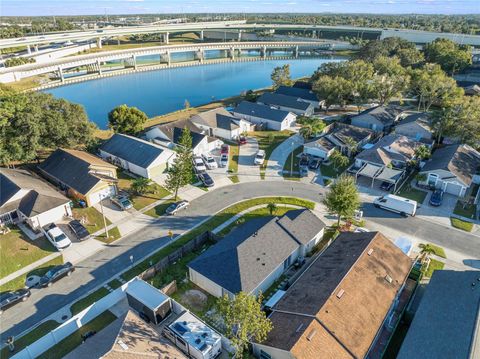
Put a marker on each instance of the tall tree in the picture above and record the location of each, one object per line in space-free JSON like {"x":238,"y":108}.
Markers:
{"x":244,"y":320}
{"x":449,"y":55}
{"x":333,"y":90}
{"x":310,"y":127}
{"x":181,"y":171}
{"x":281,"y":76}
{"x":404,"y":50}
{"x":338,"y":159}
{"x":127,"y":120}
{"x":140,"y":185}
{"x":343,"y":198}
{"x":391,"y":79}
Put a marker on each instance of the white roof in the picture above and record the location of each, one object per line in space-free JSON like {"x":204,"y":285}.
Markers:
{"x":150,"y":296}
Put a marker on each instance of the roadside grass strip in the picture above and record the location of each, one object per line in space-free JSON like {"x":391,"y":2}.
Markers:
{"x":83,"y":303}
{"x":463,"y":225}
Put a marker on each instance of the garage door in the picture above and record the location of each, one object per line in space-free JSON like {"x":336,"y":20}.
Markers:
{"x":157,"y":170}
{"x":101,"y":194}
{"x":454,"y":189}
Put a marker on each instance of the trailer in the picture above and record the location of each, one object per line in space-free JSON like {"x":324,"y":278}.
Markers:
{"x":397,"y":204}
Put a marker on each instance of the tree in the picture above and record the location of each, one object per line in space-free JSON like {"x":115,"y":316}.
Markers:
{"x":244,"y":320}
{"x":343,"y":198}
{"x":311,"y":127}
{"x":180,"y":172}
{"x":272,"y":208}
{"x":127,"y":120}
{"x":338,"y":159}
{"x":333,"y":90}
{"x":391,"y":79}
{"x":140,"y":185}
{"x":281,"y":76}
{"x":449,"y":55}
{"x":422,"y":152}
{"x":404,"y":50}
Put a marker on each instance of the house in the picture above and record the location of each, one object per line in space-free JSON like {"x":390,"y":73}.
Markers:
{"x":82,"y":175}
{"x":453,"y":169}
{"x":271,"y":118}
{"x":168,"y":135}
{"x":304,"y":94}
{"x":321,"y":147}
{"x":221,"y":123}
{"x":302,"y":85}
{"x":137,"y":156}
{"x":445,"y":324}
{"x":347,"y":138}
{"x":255,"y":254}
{"x":26,"y":198}
{"x":379,"y":118}
{"x":286,"y":103}
{"x":417,"y":127}
{"x":342,"y":302}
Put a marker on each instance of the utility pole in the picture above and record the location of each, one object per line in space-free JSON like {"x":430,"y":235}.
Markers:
{"x":291,"y":162}
{"x":104,"y":219}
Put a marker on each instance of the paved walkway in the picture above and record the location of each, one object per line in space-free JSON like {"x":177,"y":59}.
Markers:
{"x":280,"y":155}
{"x":247,"y":170}
{"x":28,"y":268}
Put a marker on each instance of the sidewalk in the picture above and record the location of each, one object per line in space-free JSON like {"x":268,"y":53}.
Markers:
{"x":29,"y":268}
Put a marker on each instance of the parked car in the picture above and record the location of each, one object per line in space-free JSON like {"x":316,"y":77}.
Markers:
{"x":361,"y":230}
{"x":436,"y":198}
{"x":177,"y":206}
{"x":242,"y":140}
{"x":56,"y":236}
{"x":225,"y":149}
{"x":122,"y":202}
{"x":9,"y":299}
{"x":314,"y":163}
{"x":386,"y":186}
{"x":224,"y":160}
{"x":259,"y":157}
{"x":79,"y":230}
{"x":56,"y":273}
{"x":303,"y":162}
{"x":199,"y":164}
{"x":206,"y":179}
{"x":210,"y":162}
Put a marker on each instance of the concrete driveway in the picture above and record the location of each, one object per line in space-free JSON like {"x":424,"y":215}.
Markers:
{"x":280,"y":155}
{"x":247,"y":171}
{"x":113,"y":212}
{"x":440,"y":214}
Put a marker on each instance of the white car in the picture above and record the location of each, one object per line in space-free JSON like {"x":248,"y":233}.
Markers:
{"x":210,"y":162}
{"x":198,"y":164}
{"x":56,"y":236}
{"x":224,"y":160}
{"x":259,"y":157}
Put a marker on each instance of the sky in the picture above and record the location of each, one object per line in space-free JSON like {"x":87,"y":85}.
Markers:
{"x":93,"y":7}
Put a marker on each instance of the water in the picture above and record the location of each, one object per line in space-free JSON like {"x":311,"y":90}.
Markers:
{"x":162,"y":91}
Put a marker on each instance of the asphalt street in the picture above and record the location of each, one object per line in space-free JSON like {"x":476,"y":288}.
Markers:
{"x":106,"y":264}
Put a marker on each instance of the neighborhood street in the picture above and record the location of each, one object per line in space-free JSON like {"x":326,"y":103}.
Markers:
{"x":107,"y":263}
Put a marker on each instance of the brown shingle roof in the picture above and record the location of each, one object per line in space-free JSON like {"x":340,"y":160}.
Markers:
{"x":346,"y":326}
{"x":390,"y":148}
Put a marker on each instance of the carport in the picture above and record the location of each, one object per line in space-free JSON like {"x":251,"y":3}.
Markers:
{"x":390,"y":175}
{"x":369,"y":170}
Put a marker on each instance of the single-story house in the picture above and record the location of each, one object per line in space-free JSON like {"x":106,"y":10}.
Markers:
{"x":26,"y":198}
{"x":302,"y":85}
{"x":82,"y":175}
{"x":379,"y":118}
{"x":255,"y":254}
{"x":320,"y":147}
{"x":303,"y":94}
{"x":348,"y":138}
{"x":168,"y":135}
{"x":221,"y":123}
{"x":417,"y":127}
{"x":453,"y":169}
{"x":138,"y":156}
{"x":286,"y":103}
{"x":345,"y":300}
{"x":445,"y":324}
{"x":271,"y":118}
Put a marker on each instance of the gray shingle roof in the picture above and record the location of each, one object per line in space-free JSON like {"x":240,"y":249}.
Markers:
{"x":216,"y":118}
{"x":302,"y":93}
{"x":262,"y":111}
{"x":445,"y":322}
{"x":173,"y":130}
{"x":276,"y":99}
{"x":302,"y":224}
{"x":343,"y":131}
{"x":384,"y":114}
{"x":132,"y":149}
{"x":390,"y":148}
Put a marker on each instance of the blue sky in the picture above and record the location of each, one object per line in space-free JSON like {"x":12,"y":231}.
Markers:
{"x":91,"y":7}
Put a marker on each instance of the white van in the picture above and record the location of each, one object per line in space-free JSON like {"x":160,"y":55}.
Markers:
{"x":397,"y":204}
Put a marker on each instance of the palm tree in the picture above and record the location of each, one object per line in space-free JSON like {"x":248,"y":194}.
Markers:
{"x":306,"y":131}
{"x":338,"y":159}
{"x":426,"y":250}
{"x":140,"y":185}
{"x":272,"y":208}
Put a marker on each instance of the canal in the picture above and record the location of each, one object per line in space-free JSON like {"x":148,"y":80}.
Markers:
{"x":162,"y":91}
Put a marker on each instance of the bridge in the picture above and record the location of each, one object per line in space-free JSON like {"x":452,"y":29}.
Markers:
{"x":416,"y":36}
{"x":93,"y":62}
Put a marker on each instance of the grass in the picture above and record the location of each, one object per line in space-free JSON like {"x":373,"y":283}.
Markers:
{"x":18,"y":251}
{"x":210,"y":224}
{"x":233,"y":157}
{"x":463,"y":225}
{"x":31,"y":337}
{"x":295,"y":176}
{"x":331,"y":171}
{"x":438,"y":251}
{"x":465,"y":209}
{"x":155,"y":193}
{"x":268,"y":141}
{"x":209,"y":305}
{"x":19,"y":282}
{"x":83,"y":303}
{"x":75,"y":339}
{"x":407,"y":191}
{"x":93,"y":218}
{"x":160,"y":209}
{"x":433,"y":266}
{"x":113,"y":235}
{"x":114,"y":284}
{"x":234,"y":179}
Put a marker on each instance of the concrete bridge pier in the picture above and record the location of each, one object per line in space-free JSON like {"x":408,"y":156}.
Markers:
{"x":263,"y":52}
{"x":99,"y":42}
{"x":295,"y":52}
{"x":200,"y":55}
{"x":165,"y":57}
{"x":166,"y":38}
{"x":239,"y":35}
{"x":134,"y":61}
{"x":35,"y":48}
{"x":99,"y":67}
{"x":231,"y":53}
{"x":60,"y":74}
{"x":202,"y":35}
{"x":29,"y":50}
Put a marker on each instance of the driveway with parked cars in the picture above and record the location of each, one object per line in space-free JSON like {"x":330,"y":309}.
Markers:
{"x":440,"y":214}
{"x":247,"y":171}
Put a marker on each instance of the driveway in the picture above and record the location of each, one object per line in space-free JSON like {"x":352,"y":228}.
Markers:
{"x":280,"y":155}
{"x":247,"y":171}
{"x":439,"y":214}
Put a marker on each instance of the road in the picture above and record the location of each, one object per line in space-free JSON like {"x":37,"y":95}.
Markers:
{"x":104,"y":265}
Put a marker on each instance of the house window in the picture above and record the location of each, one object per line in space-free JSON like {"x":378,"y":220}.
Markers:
{"x":287,"y":262}
{"x":264,"y":355}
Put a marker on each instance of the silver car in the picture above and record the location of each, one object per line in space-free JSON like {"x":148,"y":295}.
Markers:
{"x":122,"y":202}
{"x":177,"y":206}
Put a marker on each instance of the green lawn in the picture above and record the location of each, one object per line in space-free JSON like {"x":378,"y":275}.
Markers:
{"x":160,"y":209}
{"x":412,"y":193}
{"x":433,"y":266}
{"x":438,"y":251}
{"x":113,"y":235}
{"x":233,"y":157}
{"x":19,"y":282}
{"x":114,"y":284}
{"x":83,"y":303}
{"x":31,"y":337}
{"x":458,"y":223}
{"x":17,"y":251}
{"x":75,"y":339}
{"x":295,"y":176}
{"x":93,"y":218}
{"x":331,"y":171}
{"x":155,"y":193}
{"x":465,"y":210}
{"x":234,"y":178}
{"x":212,"y":223}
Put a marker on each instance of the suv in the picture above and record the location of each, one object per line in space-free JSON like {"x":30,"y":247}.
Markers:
{"x":206,"y":179}
{"x":56,"y":236}
{"x":9,"y":299}
{"x":56,"y":273}
{"x":199,"y":164}
{"x":209,"y":162}
{"x":122,"y":202}
{"x":259,"y":157}
{"x":224,"y":160}
{"x":79,"y":230}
